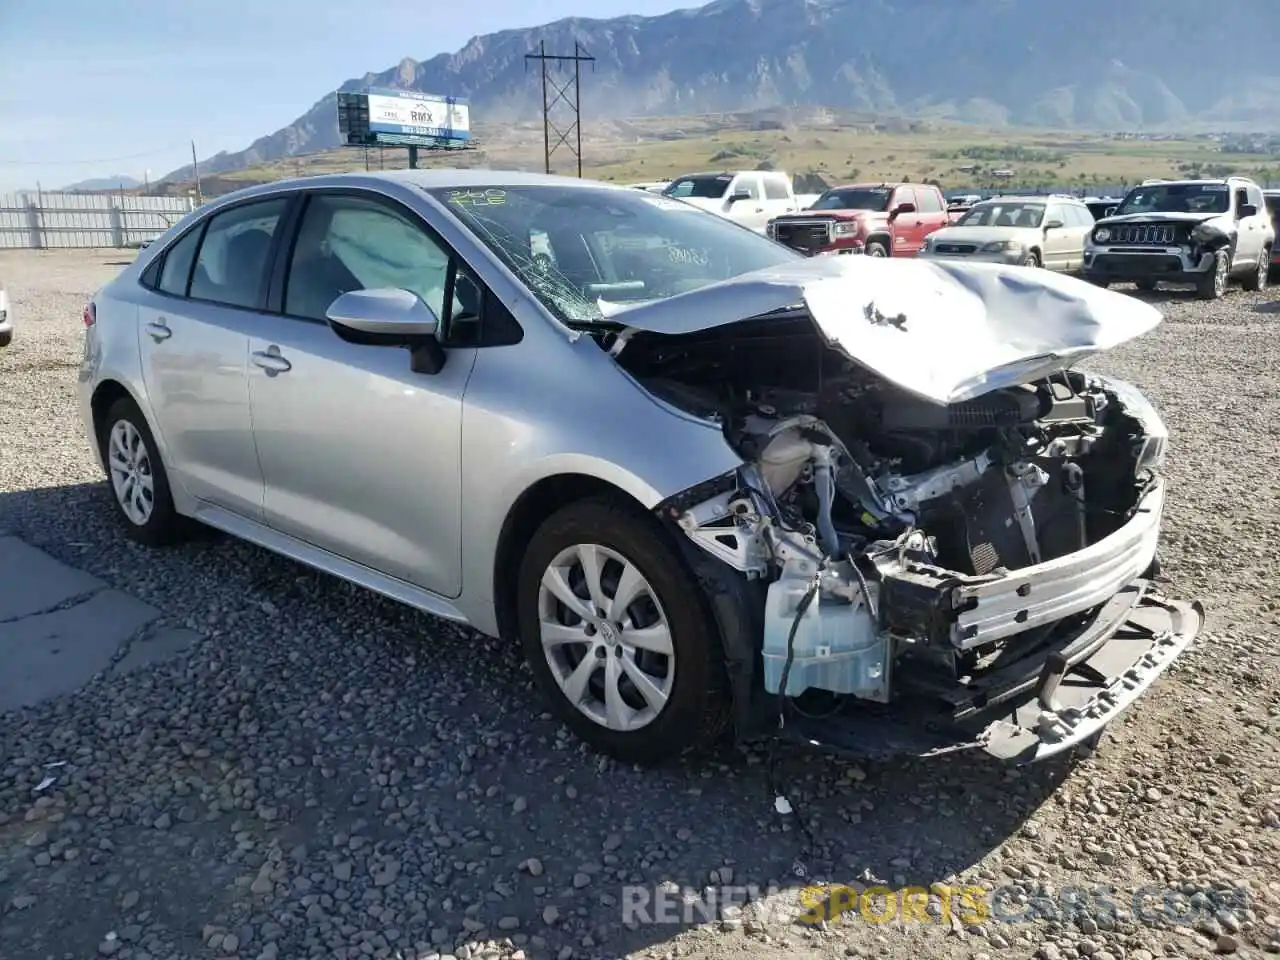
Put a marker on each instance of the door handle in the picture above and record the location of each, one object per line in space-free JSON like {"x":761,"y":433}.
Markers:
{"x":271,"y":361}
{"x":158,"y":330}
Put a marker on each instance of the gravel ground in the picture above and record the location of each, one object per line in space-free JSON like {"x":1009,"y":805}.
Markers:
{"x":331,"y":774}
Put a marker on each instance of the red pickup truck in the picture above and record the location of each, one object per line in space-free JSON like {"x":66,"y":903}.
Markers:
{"x":875,"y":219}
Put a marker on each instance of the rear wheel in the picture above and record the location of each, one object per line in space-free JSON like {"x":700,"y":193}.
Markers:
{"x":1258,"y":279}
{"x":1146,"y":286}
{"x":875,"y":248}
{"x":139,"y":484}
{"x":619,"y":636}
{"x":1213,"y":284}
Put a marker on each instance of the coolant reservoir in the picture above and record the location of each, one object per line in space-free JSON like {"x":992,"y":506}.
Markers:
{"x":837,"y":645}
{"x":783,"y":460}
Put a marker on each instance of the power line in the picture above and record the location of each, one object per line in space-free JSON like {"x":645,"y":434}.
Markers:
{"x":100,"y":160}
{"x":563,"y":95}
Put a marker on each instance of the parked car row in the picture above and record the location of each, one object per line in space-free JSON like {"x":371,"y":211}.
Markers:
{"x":1202,"y":233}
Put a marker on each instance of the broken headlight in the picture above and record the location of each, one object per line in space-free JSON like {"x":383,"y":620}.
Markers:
{"x":1150,"y":454}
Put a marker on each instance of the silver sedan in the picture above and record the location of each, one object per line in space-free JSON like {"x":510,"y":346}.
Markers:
{"x":706,"y":482}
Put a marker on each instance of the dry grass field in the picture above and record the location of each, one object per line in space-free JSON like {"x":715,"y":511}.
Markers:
{"x":839,"y":150}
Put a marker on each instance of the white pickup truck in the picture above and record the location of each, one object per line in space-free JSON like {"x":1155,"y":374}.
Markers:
{"x":749,"y":197}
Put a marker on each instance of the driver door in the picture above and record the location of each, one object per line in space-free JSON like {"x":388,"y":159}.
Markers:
{"x":360,"y":455}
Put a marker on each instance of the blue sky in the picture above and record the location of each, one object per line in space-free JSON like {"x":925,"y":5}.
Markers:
{"x":98,"y":87}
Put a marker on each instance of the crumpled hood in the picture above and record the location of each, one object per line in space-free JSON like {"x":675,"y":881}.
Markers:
{"x":1159,"y":218}
{"x":943,"y":331}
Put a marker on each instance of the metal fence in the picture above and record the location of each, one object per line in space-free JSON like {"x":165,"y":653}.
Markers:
{"x":64,"y":220}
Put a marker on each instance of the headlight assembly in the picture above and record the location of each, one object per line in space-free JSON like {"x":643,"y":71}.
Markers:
{"x":1102,"y":235}
{"x":999,"y":246}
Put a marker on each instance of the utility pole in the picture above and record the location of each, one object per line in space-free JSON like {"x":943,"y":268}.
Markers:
{"x":572,"y":99}
{"x":195,"y":166}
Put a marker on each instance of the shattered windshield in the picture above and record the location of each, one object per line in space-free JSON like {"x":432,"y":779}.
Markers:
{"x":575,"y":246}
{"x":1001,"y":214}
{"x":871,"y":198}
{"x":1177,"y":198}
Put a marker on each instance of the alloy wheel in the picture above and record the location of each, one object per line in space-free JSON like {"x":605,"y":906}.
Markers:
{"x":605,"y":637}
{"x":129,"y":463}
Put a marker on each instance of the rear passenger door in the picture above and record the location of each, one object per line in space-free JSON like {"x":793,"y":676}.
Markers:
{"x":194,"y":325}
{"x":933,"y":214}
{"x":361,"y":455}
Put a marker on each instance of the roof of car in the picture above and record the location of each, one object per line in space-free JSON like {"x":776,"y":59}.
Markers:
{"x":1028,"y":198}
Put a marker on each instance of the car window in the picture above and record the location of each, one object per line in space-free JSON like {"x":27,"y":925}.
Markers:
{"x":711,"y":187}
{"x":775,"y":187}
{"x":231,"y":267}
{"x":1056,"y":212}
{"x":573,"y":247}
{"x":1084,"y":217}
{"x":1255,"y":198}
{"x":749,"y":184}
{"x":927,"y":200}
{"x":1004,"y":213}
{"x":903,"y":195}
{"x":351,"y":243}
{"x":853,"y":198}
{"x":1176,"y":198}
{"x":176,"y":272}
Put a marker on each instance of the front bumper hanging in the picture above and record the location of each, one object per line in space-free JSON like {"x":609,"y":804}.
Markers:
{"x":1035,"y":708}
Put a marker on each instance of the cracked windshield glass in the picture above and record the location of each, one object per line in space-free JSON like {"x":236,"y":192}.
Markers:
{"x":578,"y":246}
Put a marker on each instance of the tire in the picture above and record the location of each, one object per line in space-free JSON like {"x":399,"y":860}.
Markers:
{"x":1213,"y":285}
{"x":1097,"y":281}
{"x":152,"y":520}
{"x":6,"y":338}
{"x":1032,"y":259}
{"x":875,"y":248}
{"x":1146,"y":286}
{"x":695,"y":708}
{"x":1258,"y":279}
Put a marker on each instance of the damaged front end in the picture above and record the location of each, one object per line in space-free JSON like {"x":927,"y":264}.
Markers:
{"x":920,"y":576}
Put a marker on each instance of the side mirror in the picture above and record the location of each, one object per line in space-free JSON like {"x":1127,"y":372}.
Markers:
{"x":389,"y":317}
{"x":1054,"y":225}
{"x":739,"y":195}
{"x":902,"y":208}
{"x":1109,"y":212}
{"x":1248,"y":210}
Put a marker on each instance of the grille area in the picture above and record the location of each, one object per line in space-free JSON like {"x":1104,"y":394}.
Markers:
{"x":1155,"y":234}
{"x":955,"y":247}
{"x":803,"y":234}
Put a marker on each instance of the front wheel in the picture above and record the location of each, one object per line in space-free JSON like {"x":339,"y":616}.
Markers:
{"x":139,"y":484}
{"x":1032,"y":259}
{"x":1146,"y":286}
{"x":876,"y":249}
{"x":619,"y":636}
{"x":1097,"y":281}
{"x":1213,"y":285}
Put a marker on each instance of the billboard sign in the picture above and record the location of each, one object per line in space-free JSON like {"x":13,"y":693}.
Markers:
{"x":409,"y":113}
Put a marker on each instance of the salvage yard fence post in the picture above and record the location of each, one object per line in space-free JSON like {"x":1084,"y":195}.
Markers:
{"x":37,"y":220}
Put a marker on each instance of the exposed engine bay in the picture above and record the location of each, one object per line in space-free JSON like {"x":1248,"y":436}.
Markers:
{"x":879,"y":520}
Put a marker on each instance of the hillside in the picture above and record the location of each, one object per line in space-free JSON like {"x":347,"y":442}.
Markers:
{"x":1088,"y":64}
{"x":94,"y":184}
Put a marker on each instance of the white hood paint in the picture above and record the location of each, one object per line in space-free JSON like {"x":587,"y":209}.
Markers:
{"x":966,"y":328}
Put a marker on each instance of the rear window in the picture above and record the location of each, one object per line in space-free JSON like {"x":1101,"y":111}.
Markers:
{"x":1273,"y":204}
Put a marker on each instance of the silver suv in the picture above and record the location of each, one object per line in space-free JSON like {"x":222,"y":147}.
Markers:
{"x":1200,"y":232}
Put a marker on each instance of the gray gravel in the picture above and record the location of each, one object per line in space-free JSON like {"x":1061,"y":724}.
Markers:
{"x":330,"y":774}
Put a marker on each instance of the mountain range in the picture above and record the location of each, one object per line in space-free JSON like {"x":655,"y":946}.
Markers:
{"x":94,"y":184}
{"x":1090,"y":64}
